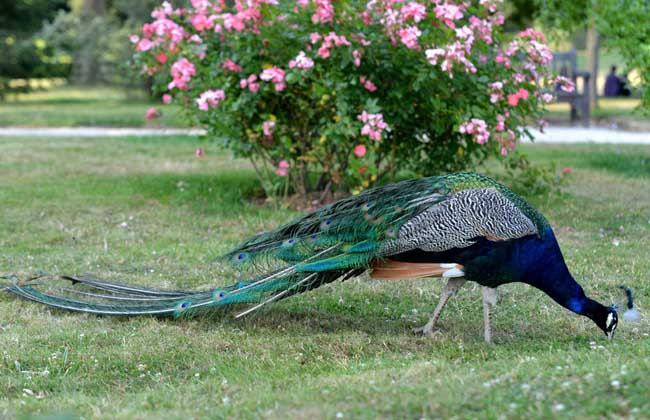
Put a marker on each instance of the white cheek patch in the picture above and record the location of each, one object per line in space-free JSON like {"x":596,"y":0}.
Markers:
{"x":610,"y":320}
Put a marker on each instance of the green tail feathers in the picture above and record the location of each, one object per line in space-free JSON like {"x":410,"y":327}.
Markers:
{"x":91,"y":295}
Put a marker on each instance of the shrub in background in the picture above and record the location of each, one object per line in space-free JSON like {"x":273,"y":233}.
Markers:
{"x":324,"y":95}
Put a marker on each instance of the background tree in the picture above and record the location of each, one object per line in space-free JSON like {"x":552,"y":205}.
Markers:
{"x":566,"y":17}
{"x":626,"y":24}
{"x":623,"y":24}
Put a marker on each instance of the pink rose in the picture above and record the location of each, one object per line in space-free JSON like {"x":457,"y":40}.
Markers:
{"x":360,"y":150}
{"x":283,"y":167}
{"x":144,"y":45}
{"x":523,"y":93}
{"x":151,"y":114}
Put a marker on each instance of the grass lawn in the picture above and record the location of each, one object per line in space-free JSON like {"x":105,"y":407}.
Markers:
{"x":68,"y":106}
{"x":342,"y":351}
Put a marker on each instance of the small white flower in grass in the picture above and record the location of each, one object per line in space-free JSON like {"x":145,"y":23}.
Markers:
{"x":226,"y":400}
{"x":339,"y":415}
{"x":616,"y":384}
{"x":559,"y":407}
{"x":525,"y":387}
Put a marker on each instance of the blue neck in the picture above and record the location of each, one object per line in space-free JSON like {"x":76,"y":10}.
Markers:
{"x":542,"y":266}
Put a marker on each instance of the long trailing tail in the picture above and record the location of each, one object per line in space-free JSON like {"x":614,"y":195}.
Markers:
{"x":91,"y":295}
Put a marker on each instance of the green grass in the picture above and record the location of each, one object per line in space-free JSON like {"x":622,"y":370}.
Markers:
{"x":345,"y":348}
{"x":68,"y":106}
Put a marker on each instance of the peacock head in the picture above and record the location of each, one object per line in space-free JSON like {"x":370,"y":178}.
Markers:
{"x":607,"y":317}
{"x":608,"y":321}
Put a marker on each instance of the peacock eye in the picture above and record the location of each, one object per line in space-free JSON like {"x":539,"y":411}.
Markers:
{"x":326,"y":224}
{"x":222,"y":294}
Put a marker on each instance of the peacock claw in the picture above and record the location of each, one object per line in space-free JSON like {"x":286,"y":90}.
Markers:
{"x":426,"y":330}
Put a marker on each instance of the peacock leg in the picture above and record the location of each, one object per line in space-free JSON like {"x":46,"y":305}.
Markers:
{"x":452,"y":287}
{"x":489,"y":302}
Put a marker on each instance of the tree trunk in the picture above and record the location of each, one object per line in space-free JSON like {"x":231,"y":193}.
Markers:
{"x":86,"y":64}
{"x":593,"y":43}
{"x":93,"y":8}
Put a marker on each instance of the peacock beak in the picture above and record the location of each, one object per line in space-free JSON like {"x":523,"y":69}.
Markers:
{"x":610,"y":335}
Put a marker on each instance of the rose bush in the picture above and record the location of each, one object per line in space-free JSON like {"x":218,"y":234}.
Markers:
{"x":321,"y":94}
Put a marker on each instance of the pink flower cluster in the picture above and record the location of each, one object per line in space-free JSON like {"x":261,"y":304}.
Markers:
{"x":330,"y":40}
{"x":228,"y":64}
{"x":282,"y":169}
{"x":248,"y":13}
{"x":166,"y":31}
{"x":482,"y":28}
{"x":356,"y":55}
{"x":324,"y":11}
{"x":454,"y":53}
{"x":367,"y":83}
{"x":182,"y":72}
{"x":276,"y":76}
{"x":413,"y":10}
{"x":301,"y":61}
{"x":491,"y":5}
{"x":409,"y":37}
{"x":501,"y":123}
{"x":564,"y":83}
{"x":210,"y":99}
{"x":477,"y":128}
{"x":202,"y":22}
{"x":268,"y":127}
{"x":251,"y":83}
{"x":449,"y":13}
{"x":373,"y":126}
{"x":513,"y":99}
{"x":496,"y":92}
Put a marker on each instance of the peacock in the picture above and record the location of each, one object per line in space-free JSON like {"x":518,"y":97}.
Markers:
{"x":457,"y":227}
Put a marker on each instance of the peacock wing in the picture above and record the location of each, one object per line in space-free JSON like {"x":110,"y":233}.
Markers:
{"x":353,"y":230}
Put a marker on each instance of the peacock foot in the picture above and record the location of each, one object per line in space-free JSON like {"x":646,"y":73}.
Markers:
{"x":426,"y":330}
